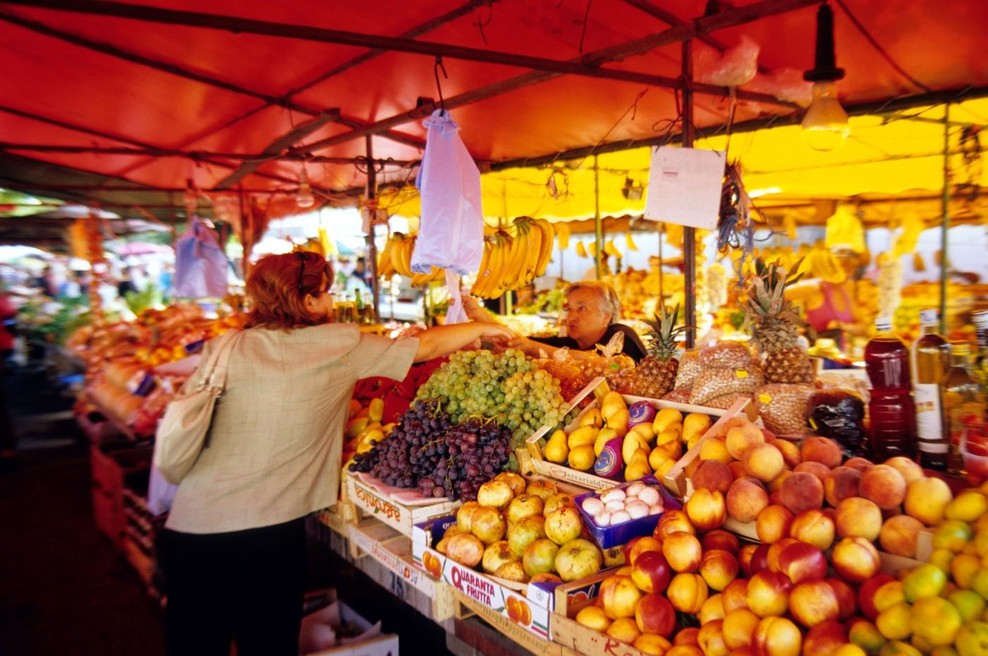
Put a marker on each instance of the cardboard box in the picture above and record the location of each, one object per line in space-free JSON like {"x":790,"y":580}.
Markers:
{"x":394,"y":513}
{"x":318,"y":635}
{"x":589,"y":480}
{"x":516,"y":604}
{"x":374,"y":539}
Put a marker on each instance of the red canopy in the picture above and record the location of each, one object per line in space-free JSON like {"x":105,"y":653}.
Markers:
{"x":108,"y":102}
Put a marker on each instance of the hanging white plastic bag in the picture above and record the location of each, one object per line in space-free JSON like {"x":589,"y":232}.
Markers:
{"x":200,"y":264}
{"x":451,"y":234}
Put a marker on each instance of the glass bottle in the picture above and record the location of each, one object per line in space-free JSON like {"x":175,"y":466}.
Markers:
{"x":980,"y":321}
{"x":930,"y":361}
{"x":963,"y":402}
{"x":892,"y":415}
{"x":358,"y":304}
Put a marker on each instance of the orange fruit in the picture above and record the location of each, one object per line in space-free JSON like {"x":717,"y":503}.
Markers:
{"x":963,"y":567}
{"x":967,"y":506}
{"x":972,"y":639}
{"x":895,"y":622}
{"x":935,"y":620}
{"x":952,"y":534}
{"x":927,"y":580}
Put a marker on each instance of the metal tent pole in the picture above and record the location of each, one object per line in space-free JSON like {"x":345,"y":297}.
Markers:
{"x":945,"y":221}
{"x":689,"y":233}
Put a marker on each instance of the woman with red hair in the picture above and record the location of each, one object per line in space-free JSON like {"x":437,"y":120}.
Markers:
{"x":234,"y":542}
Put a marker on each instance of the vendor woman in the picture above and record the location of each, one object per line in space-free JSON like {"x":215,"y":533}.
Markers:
{"x":591,"y":312}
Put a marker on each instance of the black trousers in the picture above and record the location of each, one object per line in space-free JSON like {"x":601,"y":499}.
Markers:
{"x":246,"y":587}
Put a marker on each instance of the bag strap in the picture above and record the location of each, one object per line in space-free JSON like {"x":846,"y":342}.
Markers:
{"x":216,"y":376}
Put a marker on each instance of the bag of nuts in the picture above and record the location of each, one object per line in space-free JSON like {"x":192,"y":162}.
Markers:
{"x":783,"y":408}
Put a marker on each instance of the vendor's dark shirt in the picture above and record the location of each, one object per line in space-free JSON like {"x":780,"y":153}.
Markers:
{"x":633,"y":346}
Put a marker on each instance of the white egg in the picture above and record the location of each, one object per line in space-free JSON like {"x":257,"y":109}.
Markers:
{"x":614,"y":506}
{"x":619,"y":516}
{"x":602,"y":518}
{"x":592,"y":506}
{"x":613,"y":494}
{"x":649,"y":495}
{"x":637,"y":509}
{"x":655,"y":510}
{"x":634,"y":488}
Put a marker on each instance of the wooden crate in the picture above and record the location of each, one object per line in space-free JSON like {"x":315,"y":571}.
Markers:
{"x":400,"y":516}
{"x":537,"y":464}
{"x":467,"y":606}
{"x":111,"y":471}
{"x":574,"y":638}
{"x":376,"y":540}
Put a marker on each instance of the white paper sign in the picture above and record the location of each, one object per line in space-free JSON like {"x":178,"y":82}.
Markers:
{"x":684,"y":186}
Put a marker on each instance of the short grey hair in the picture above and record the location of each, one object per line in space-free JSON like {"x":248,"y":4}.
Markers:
{"x":606,"y":296}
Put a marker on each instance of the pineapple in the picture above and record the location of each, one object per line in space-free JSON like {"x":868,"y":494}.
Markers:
{"x":773,"y":322}
{"x":655,"y":375}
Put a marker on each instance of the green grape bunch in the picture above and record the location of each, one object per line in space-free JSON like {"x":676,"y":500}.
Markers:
{"x":507,"y":387}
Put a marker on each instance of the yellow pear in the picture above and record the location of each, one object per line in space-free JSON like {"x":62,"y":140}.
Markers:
{"x":665,"y":418}
{"x":556,"y":449}
{"x":611,"y":403}
{"x":592,"y":417}
{"x":657,"y":458}
{"x":582,"y":435}
{"x":618,"y":420}
{"x":671,"y":434}
{"x":645,"y":431}
{"x":633,"y":442}
{"x":694,"y":426}
{"x":605,"y":435}
{"x":582,"y":457}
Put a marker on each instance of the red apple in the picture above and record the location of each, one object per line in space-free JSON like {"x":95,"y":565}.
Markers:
{"x":651,"y":572}
{"x":813,"y":602}
{"x":655,"y":614}
{"x":768,"y":593}
{"x":855,"y":559}
{"x":801,"y":561}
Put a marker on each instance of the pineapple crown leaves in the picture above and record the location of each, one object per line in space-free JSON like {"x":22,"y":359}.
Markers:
{"x":665,"y":332}
{"x":766,"y":292}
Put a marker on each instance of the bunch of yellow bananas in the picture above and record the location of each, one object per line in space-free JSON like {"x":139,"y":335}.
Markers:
{"x":396,"y":256}
{"x":511,"y":261}
{"x":823,"y":264}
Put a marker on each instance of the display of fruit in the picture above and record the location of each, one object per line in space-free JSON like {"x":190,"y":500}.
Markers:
{"x":511,"y":260}
{"x":618,"y":505}
{"x":773,"y":324}
{"x":655,"y":375}
{"x":518,"y":529}
{"x":507,"y":388}
{"x":425,"y":450}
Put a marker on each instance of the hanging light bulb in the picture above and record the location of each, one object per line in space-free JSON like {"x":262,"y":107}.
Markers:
{"x":825,"y":124}
{"x":304,"y":198}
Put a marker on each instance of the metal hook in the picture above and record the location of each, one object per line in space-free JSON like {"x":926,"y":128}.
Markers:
{"x":439,"y":86}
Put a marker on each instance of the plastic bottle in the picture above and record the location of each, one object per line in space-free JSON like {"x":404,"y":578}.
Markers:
{"x":963,"y":403}
{"x":892,"y":415}
{"x":930,"y":361}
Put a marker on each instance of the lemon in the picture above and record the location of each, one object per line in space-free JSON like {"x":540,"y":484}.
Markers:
{"x":972,"y":639}
{"x":968,"y":603}
{"x":952,"y":534}
{"x":963,"y":568}
{"x":899,"y":648}
{"x":894,"y":622}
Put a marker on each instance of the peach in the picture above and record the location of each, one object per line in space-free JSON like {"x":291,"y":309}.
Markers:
{"x":825,"y":638}
{"x":682,"y":551}
{"x":773,"y":523}
{"x":855,"y":559}
{"x":741,"y":438}
{"x":713,"y":475}
{"x":735,"y":595}
{"x":714,"y":448}
{"x":813,"y":602}
{"x":718,"y":568}
{"x":746,"y":498}
{"x":801,"y":561}
{"x":620,"y":595}
{"x":884,"y":485}
{"x":841,"y":483}
{"x":801,"y":491}
{"x":818,"y":469}
{"x":926,"y":500}
{"x":654,"y":614}
{"x":790,"y":453}
{"x":775,"y":484}
{"x":624,"y":629}
{"x":764,"y":462}
{"x":866,"y":594}
{"x":672,"y":521}
{"x":737,"y":469}
{"x":768,"y":593}
{"x":813,"y":526}
{"x":720,"y":539}
{"x":593,"y":617}
{"x":775,"y":550}
{"x":706,"y":509}
{"x":857,"y":516}
{"x":641,"y":545}
{"x":687,"y":591}
{"x":738,"y":628}
{"x":712,"y":609}
{"x":758,"y":559}
{"x":909,"y":468}
{"x":777,"y":636}
{"x":745,"y":556}
{"x":652,"y":644}
{"x":710,"y":639}
{"x":823,"y":450}
{"x":846,"y":597}
{"x":859,"y":463}
{"x":899,"y":535}
{"x":686,"y":636}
